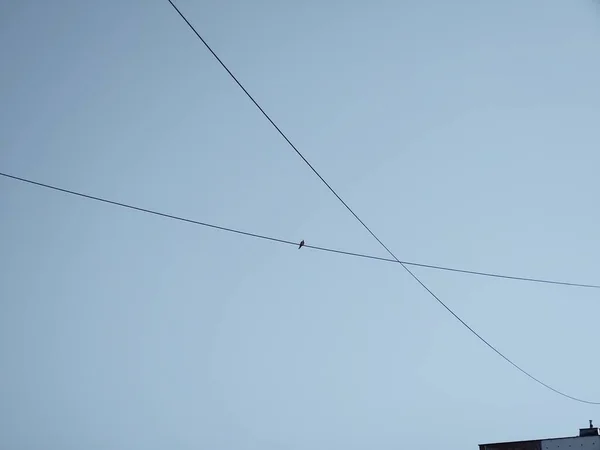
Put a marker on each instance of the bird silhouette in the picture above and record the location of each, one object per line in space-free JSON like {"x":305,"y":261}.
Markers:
{"x":301,"y":244}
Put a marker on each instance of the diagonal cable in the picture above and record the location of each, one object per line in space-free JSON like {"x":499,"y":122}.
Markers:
{"x":363,"y":223}
{"x":294,"y":243}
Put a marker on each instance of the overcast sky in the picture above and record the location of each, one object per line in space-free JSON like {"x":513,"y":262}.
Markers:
{"x":464,"y":133}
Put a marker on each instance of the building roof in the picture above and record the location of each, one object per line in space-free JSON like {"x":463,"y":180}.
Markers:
{"x":536,"y":444}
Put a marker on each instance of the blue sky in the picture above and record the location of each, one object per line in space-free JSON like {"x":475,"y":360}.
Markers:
{"x":464,"y":133}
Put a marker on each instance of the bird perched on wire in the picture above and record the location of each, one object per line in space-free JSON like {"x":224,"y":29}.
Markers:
{"x":301,"y":244}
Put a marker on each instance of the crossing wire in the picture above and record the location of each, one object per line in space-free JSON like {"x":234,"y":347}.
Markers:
{"x":417,"y":279}
{"x":295,"y":243}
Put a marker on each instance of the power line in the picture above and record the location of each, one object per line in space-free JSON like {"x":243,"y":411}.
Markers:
{"x":405,"y":266}
{"x":294,"y":243}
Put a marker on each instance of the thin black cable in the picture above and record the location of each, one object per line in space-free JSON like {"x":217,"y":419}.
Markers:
{"x":149,"y":211}
{"x":363,"y":223}
{"x":294,"y":243}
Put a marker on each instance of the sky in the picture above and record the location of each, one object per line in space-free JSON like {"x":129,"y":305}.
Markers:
{"x":463,"y":133}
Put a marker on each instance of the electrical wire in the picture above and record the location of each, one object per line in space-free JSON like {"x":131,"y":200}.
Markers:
{"x":405,"y":266}
{"x":294,"y":243}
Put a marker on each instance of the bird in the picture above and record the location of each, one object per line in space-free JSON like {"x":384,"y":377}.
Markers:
{"x":301,"y":244}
